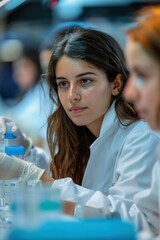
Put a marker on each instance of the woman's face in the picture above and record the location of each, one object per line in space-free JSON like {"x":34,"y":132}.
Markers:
{"x":84,"y":92}
{"x":25,"y":73}
{"x":143,"y":87}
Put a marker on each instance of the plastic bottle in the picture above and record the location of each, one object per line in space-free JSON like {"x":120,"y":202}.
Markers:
{"x":5,"y":138}
{"x":5,"y":215}
{"x":34,"y":208}
{"x":17,"y":151}
{"x":50,"y":206}
{"x":11,"y":186}
{"x":8,"y":135}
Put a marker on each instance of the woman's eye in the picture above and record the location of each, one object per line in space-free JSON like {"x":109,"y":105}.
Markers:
{"x":141,"y":79}
{"x":86,"y":81}
{"x":139,"y":83}
{"x":62,"y":84}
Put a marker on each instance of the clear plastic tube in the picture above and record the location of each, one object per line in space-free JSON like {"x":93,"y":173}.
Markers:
{"x":33,"y":155}
{"x":8,"y":135}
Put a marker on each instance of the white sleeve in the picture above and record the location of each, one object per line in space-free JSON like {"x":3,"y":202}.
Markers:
{"x":132,"y":174}
{"x":145,"y":213}
{"x":133,"y":171}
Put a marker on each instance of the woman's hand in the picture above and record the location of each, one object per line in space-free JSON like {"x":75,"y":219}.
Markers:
{"x":7,"y":124}
{"x":69,"y":207}
{"x":12,"y":167}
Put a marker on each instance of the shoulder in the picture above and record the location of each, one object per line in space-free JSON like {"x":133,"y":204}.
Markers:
{"x":140,"y":126}
{"x":140,"y":130}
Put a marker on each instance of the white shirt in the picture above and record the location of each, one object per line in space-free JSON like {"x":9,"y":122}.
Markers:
{"x":119,"y":166}
{"x":146,"y":210}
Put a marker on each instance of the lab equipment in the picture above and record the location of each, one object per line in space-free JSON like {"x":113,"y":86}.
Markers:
{"x":95,"y":229}
{"x":8,"y":135}
{"x":5,"y":138}
{"x":33,"y":208}
{"x":17,"y":151}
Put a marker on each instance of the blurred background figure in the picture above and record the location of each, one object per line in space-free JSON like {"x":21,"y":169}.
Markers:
{"x":26,"y":69}
{"x":20,"y":91}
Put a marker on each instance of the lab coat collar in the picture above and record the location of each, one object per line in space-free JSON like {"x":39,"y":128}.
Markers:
{"x":110,"y":118}
{"x":157,"y":133}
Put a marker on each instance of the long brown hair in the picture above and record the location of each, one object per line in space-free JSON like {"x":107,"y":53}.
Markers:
{"x":69,"y":144}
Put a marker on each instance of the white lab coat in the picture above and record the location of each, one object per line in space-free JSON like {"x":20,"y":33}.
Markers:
{"x":145,"y":213}
{"x":120,"y":165}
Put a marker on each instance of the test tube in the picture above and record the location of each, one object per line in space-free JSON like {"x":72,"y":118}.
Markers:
{"x":33,"y":155}
{"x":8,"y":135}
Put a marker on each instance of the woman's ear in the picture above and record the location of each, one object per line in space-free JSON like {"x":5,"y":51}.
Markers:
{"x":117,"y":85}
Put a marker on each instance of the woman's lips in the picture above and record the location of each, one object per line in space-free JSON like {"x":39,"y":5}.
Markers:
{"x":77,"y":109}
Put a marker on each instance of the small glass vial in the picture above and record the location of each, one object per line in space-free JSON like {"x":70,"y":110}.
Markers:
{"x":17,"y":151}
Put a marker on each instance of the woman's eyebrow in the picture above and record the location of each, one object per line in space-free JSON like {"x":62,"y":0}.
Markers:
{"x":85,"y":73}
{"x":60,"y":78}
{"x":79,"y":75}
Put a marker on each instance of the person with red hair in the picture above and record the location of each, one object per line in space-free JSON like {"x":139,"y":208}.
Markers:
{"x":143,"y":89}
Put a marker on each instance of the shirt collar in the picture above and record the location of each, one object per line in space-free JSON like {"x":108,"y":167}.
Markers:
{"x":110,"y":118}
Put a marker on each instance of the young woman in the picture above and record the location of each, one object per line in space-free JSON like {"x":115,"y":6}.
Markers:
{"x":143,"y":88}
{"x":98,"y":146}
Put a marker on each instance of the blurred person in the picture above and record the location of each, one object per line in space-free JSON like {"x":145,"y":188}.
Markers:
{"x":98,"y":145}
{"x":26,"y":69}
{"x":143,"y":88}
{"x":10,"y":49}
{"x":8,"y":88}
{"x":25,"y":74}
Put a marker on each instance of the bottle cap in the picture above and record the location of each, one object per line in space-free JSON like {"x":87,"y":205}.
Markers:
{"x":14,"y":150}
{"x":9,"y":135}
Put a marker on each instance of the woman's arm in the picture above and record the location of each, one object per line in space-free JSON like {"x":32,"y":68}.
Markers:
{"x":68,"y":207}
{"x":46,"y":179}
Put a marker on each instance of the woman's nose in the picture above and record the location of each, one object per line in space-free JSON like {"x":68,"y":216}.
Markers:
{"x":130,"y":91}
{"x":74,"y":94}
